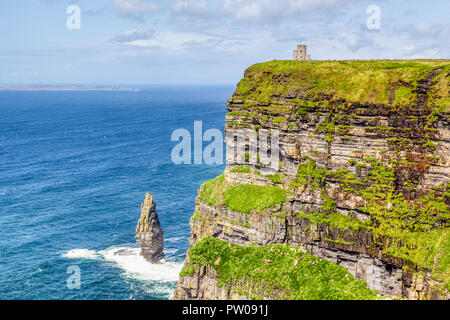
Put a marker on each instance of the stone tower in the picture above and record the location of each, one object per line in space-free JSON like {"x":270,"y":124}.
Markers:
{"x":300,"y":53}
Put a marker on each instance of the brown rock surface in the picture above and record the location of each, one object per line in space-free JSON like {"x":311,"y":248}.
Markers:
{"x":149,"y":234}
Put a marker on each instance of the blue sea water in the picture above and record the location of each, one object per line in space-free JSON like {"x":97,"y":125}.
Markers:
{"x":74,"y":169}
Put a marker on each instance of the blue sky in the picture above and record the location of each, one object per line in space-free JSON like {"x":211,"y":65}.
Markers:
{"x":204,"y":41}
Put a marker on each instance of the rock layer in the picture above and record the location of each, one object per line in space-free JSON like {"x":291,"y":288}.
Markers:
{"x":203,"y":285}
{"x":149,"y":234}
{"x":364,"y":163}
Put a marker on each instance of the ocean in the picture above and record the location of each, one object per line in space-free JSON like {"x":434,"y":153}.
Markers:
{"x":75,"y":167}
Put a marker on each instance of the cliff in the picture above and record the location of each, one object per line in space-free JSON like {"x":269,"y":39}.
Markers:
{"x":149,"y":234}
{"x":361,"y":181}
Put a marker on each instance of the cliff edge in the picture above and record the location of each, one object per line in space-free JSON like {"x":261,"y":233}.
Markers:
{"x":361,"y":183}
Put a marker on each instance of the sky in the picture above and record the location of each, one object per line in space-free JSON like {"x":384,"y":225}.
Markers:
{"x":145,"y":42}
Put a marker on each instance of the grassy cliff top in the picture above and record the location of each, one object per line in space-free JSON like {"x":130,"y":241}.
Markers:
{"x":276,"y":269}
{"x":397,"y":83}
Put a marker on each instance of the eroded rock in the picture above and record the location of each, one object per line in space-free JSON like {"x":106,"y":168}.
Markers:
{"x":149,"y":234}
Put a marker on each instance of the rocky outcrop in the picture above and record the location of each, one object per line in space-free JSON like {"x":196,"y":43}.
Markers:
{"x":203,"y":285}
{"x":149,"y":234}
{"x":364,"y":163}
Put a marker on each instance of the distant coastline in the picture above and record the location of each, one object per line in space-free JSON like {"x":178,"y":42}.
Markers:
{"x":62,"y":88}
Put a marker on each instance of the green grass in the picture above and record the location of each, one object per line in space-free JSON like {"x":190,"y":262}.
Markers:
{"x":419,"y":230}
{"x":242,"y":169}
{"x":198,"y":216}
{"x":308,"y":173}
{"x":276,"y":269}
{"x":426,"y":249}
{"x":416,"y":230}
{"x":336,"y":221}
{"x":367,"y":82}
{"x":244,"y":198}
{"x":247,"y":198}
{"x":278,"y":120}
{"x":276,"y":178}
{"x":212,"y":190}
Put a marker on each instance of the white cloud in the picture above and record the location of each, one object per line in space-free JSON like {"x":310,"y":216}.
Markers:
{"x":206,"y":34}
{"x":355,"y":40}
{"x":135,"y":8}
{"x":269,"y":11}
{"x":189,"y":6}
{"x":250,"y":11}
{"x":427,"y":53}
{"x":167,"y":40}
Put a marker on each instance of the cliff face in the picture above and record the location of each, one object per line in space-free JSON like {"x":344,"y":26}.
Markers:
{"x":362,"y":178}
{"x":149,"y":234}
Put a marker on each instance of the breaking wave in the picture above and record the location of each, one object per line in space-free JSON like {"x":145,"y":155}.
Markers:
{"x":175,"y":239}
{"x":135,"y":266}
{"x":132,"y":263}
{"x":81,"y":254}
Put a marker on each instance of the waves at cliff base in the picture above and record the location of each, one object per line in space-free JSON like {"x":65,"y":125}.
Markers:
{"x":81,"y":254}
{"x":129,"y":260}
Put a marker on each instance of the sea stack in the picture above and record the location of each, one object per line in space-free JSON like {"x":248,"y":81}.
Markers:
{"x":149,"y":234}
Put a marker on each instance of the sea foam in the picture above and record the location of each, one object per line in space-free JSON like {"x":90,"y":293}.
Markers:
{"x":81,"y":254}
{"x":129,"y":260}
{"x":174,"y":239}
